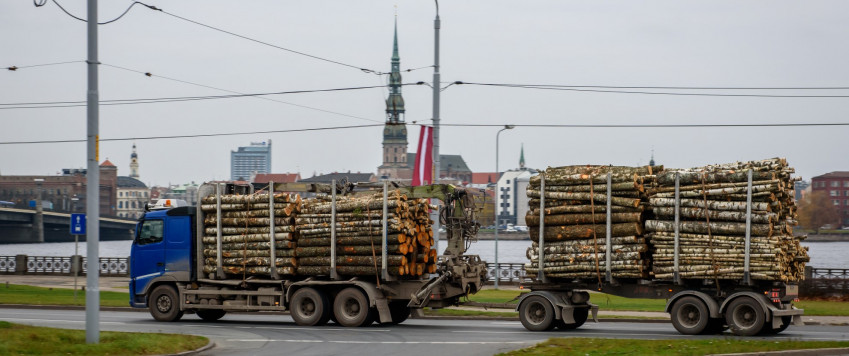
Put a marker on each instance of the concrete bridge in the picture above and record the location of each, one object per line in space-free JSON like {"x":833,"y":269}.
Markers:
{"x":20,"y":226}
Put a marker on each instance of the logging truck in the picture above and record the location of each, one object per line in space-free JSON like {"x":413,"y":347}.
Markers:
{"x":610,"y":253}
{"x":179,"y":262}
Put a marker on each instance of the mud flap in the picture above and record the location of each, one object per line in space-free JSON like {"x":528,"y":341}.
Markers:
{"x":383,"y":310}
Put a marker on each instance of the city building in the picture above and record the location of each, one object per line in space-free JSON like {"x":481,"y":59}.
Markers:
{"x":511,"y":199}
{"x":187,"y":192}
{"x":350,"y":177}
{"x":483,"y":180}
{"x":395,"y":159}
{"x":260,"y":181}
{"x":836,"y":185}
{"x":247,"y":161}
{"x":66,"y":191}
{"x":132,"y":196}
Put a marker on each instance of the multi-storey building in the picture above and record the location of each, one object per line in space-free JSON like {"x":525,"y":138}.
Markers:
{"x":836,"y":186}
{"x":66,"y":191}
{"x":250,"y":160}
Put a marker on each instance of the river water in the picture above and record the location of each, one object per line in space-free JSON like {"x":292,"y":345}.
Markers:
{"x":823,"y":254}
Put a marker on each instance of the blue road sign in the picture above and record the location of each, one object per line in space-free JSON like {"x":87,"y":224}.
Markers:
{"x":77,"y":224}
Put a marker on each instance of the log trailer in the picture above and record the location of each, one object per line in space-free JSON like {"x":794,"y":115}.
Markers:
{"x":696,"y":306}
{"x":167,"y":271}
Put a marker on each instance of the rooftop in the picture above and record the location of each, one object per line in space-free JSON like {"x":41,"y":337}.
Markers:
{"x":129,"y":182}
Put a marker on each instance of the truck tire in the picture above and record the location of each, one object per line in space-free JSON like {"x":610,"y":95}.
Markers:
{"x":690,"y":315}
{"x":164,"y":305}
{"x":785,"y":323}
{"x":309,"y":307}
{"x":399,"y":312}
{"x":210,"y":314}
{"x":580,"y":315}
{"x":351,"y":308}
{"x":745,"y":316}
{"x":536,"y":313}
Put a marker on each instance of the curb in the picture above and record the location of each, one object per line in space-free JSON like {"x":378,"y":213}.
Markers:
{"x":807,"y":352}
{"x":195,"y":351}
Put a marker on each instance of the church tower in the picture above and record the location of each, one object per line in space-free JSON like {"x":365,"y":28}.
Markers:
{"x":395,"y":164}
{"x":134,"y":163}
{"x":522,"y":158}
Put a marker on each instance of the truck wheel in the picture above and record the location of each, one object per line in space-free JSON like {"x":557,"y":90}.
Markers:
{"x":690,"y":315}
{"x":210,"y":314}
{"x":399,"y":312}
{"x":745,"y":316}
{"x":785,"y":323}
{"x":536,"y":313}
{"x":164,"y":305}
{"x":309,"y":307}
{"x":351,"y":308}
{"x":580,"y":315}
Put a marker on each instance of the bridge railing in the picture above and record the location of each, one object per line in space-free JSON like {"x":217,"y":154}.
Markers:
{"x":54,"y":265}
{"x":507,"y":273}
{"x":825,"y":282}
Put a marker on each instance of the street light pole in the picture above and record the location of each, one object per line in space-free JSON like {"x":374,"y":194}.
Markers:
{"x":92,"y":291}
{"x":495,"y":202}
{"x":436,"y":75}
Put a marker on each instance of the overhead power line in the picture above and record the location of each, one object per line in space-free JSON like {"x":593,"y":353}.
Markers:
{"x":792,"y":124}
{"x":66,"y":104}
{"x":15,"y":68}
{"x":582,"y":89}
{"x":149,"y":74}
{"x":195,"y":135}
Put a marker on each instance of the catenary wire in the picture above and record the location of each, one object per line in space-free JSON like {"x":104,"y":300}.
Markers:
{"x":40,"y":3}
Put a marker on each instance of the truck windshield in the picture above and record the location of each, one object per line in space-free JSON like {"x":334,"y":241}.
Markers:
{"x":150,"y":232}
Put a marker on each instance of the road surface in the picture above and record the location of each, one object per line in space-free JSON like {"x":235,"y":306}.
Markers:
{"x":273,"y":334}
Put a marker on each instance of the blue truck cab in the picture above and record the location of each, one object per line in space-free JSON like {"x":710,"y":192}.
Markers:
{"x":161,"y":250}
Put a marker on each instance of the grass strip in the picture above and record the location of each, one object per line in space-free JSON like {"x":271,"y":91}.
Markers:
{"x":16,"y":339}
{"x":21,"y":294}
{"x":597,"y":346}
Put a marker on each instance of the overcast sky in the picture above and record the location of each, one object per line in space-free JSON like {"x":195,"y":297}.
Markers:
{"x":599,"y":43}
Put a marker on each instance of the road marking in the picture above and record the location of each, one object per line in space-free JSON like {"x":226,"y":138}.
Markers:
{"x":489,"y":332}
{"x":391,"y":342}
{"x":63,"y":321}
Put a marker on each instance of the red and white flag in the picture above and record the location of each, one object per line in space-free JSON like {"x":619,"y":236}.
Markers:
{"x":423,"y":169}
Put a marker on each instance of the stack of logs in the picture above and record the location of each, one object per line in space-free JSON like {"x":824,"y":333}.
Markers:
{"x":246,"y":233}
{"x":712,"y":225}
{"x":575,"y":221}
{"x":303,"y":237}
{"x":359,"y":235}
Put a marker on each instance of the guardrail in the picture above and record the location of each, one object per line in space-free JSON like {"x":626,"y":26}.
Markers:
{"x":52,"y":265}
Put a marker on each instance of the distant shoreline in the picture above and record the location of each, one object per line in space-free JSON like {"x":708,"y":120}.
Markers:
{"x":827,"y":238}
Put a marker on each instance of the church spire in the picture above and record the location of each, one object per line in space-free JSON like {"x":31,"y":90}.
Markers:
{"x":651,"y":162}
{"x":134,"y":163}
{"x":522,"y":158}
{"x":395,"y":102}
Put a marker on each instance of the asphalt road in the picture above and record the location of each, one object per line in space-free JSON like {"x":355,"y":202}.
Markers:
{"x":264,"y":334}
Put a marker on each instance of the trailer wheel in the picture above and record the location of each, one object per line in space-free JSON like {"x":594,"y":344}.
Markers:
{"x":399,"y":312}
{"x":309,"y":307}
{"x":580,"y":315}
{"x":164,"y":305}
{"x":210,"y":314}
{"x":745,"y":316}
{"x":351,"y":308}
{"x":690,"y":315}
{"x":785,"y":323}
{"x":536,"y":313}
